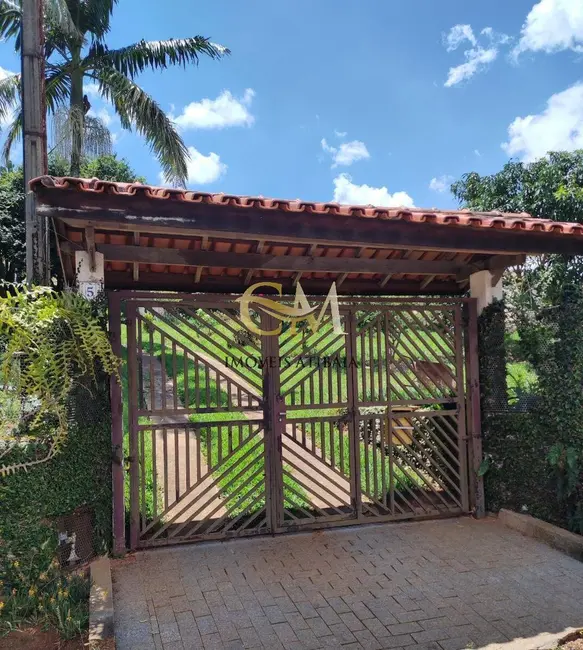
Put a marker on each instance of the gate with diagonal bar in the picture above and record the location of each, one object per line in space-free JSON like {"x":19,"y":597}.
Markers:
{"x":232,"y":434}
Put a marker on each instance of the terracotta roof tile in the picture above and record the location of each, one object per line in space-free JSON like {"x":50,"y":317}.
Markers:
{"x":498,"y":220}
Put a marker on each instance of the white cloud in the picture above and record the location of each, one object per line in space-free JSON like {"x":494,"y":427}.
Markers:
{"x":91,"y":90}
{"x":478,"y":57}
{"x":219,"y":113}
{"x":340,"y":134}
{"x":477,"y":152}
{"x":103,"y":114}
{"x":558,"y":128}
{"x":457,"y":35}
{"x":345,"y":191}
{"x":440,"y":184}
{"x":202,"y":169}
{"x":346,"y":153}
{"x":551,"y":26}
{"x":5,"y":73}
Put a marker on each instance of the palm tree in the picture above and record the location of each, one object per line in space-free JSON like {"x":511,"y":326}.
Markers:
{"x":75,"y":51}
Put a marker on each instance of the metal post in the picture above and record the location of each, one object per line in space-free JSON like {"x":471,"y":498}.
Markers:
{"x":273,"y":418}
{"x":34,"y":136}
{"x":475,"y":423}
{"x":117,"y":470}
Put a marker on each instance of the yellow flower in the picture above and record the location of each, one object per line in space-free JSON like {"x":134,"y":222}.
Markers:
{"x":1,"y":605}
{"x":16,"y":564}
{"x":52,"y":601}
{"x":32,"y":592}
{"x":66,"y":593}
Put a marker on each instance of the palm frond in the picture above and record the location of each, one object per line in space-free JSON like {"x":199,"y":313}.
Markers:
{"x":57,"y":89}
{"x":136,"y":58}
{"x":97,"y":139}
{"x":137,"y":109}
{"x":57,"y":20}
{"x":95,"y":17}
{"x":9,"y":95}
{"x":58,"y":16}
{"x":14,"y":134}
{"x":10,"y":20}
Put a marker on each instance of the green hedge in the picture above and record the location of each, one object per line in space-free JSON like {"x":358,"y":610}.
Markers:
{"x":516,"y":444}
{"x":79,"y":475}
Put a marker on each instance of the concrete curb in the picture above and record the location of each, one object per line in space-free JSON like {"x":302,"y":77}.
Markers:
{"x":101,"y":601}
{"x":558,"y":538}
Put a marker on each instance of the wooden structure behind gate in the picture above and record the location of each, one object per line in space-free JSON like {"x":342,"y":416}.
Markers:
{"x":233,"y":434}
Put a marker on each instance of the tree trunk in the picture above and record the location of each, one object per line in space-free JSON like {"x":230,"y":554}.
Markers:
{"x":77,"y":113}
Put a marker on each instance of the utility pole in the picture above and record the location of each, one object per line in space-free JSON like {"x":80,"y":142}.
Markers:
{"x":34,"y":137}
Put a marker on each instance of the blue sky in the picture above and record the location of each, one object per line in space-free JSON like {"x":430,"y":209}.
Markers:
{"x":363,"y":102}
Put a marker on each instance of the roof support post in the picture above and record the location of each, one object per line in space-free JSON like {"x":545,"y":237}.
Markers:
{"x":90,"y":282}
{"x":486,"y":287}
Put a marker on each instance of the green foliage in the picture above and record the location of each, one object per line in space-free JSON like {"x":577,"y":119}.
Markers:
{"x":544,"y":341}
{"x":567,"y":464}
{"x":535,"y":458}
{"x":35,"y":591}
{"x":110,"y":168}
{"x":550,"y":188}
{"x":12,"y":235}
{"x":49,"y":341}
{"x":76,"y":51}
{"x":30,"y":502}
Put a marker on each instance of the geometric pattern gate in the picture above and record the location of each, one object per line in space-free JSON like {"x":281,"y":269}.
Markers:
{"x":229,"y":434}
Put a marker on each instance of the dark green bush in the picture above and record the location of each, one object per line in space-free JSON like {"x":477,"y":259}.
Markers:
{"x":30,"y":502}
{"x":517,"y":444}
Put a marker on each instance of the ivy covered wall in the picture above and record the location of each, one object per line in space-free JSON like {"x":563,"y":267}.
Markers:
{"x":517,"y":442}
{"x":79,"y":475}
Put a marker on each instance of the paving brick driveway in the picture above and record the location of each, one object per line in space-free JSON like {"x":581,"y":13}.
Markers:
{"x":439,"y":585}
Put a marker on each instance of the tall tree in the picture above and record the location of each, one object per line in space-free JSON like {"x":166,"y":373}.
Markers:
{"x":549,"y":188}
{"x":76,"y":52}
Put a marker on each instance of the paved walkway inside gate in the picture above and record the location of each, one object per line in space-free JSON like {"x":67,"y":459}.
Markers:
{"x":440,"y":585}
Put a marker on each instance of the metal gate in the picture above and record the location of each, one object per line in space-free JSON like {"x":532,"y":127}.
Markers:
{"x":229,"y":433}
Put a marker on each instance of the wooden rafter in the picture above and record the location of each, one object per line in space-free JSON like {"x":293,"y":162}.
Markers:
{"x":90,"y":247}
{"x":258,"y":249}
{"x":203,"y":247}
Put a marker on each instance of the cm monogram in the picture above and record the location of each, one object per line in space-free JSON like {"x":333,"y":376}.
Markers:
{"x":299,"y":312}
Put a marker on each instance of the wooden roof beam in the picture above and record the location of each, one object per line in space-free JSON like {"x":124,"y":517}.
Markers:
{"x":495,"y":263}
{"x":290,"y":263}
{"x":225,"y":284}
{"x":343,"y":277}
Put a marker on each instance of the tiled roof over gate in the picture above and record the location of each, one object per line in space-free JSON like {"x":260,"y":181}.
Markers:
{"x":498,"y":220}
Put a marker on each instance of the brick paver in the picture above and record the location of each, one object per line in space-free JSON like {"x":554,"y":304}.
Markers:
{"x":441,"y":585}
